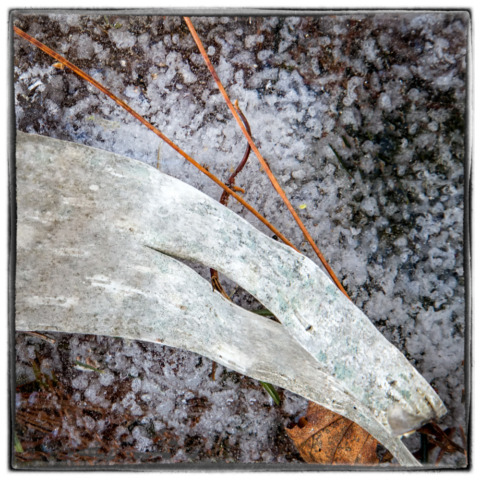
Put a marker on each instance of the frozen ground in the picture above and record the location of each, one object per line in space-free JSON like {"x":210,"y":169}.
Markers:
{"x":385,"y":92}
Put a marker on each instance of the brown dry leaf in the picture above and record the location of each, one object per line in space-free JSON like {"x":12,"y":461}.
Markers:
{"x":327,"y":438}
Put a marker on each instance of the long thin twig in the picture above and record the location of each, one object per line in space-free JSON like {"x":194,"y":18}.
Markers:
{"x":231,"y":180}
{"x":117,"y":100}
{"x":262,"y":161}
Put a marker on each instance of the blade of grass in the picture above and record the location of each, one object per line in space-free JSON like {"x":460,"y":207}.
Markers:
{"x":37,"y":371}
{"x":88,"y":367}
{"x":187,"y":157}
{"x":346,"y":142}
{"x":262,"y":161}
{"x":340,"y":160}
{"x":18,"y":445}
{"x":263,"y":312}
{"x":271,"y":391}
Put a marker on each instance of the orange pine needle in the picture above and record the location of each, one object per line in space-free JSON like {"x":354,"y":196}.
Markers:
{"x":262,"y":161}
{"x":117,"y":100}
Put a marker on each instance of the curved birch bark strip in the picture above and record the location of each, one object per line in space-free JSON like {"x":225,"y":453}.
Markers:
{"x":91,"y":229}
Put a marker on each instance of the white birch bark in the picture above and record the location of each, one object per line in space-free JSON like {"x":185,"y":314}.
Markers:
{"x":95,"y":233}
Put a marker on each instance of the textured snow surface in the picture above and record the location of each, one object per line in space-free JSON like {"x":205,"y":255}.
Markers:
{"x":384,"y":92}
